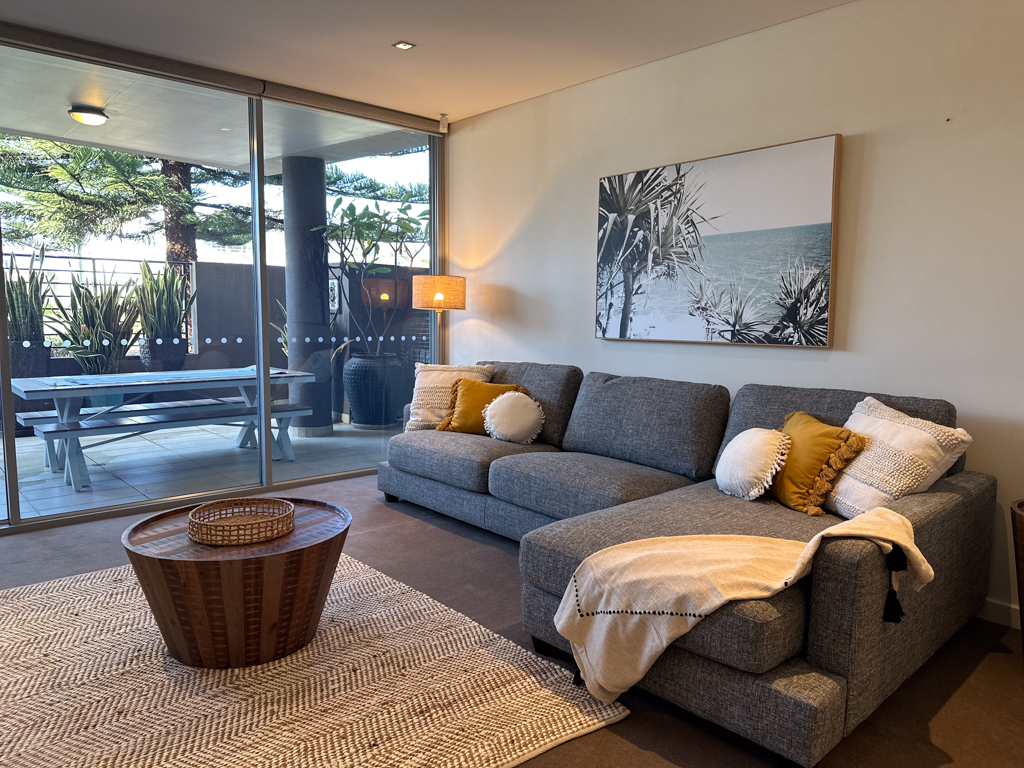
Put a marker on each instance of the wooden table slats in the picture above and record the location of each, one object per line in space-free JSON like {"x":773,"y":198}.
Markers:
{"x":221,"y":607}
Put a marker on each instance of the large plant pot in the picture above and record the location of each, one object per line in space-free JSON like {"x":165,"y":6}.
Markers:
{"x":30,"y":362}
{"x":371,"y":384}
{"x":166,"y":356}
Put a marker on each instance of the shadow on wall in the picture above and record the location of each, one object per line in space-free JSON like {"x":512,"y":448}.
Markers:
{"x":501,"y":303}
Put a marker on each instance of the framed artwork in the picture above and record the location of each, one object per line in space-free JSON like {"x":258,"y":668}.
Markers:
{"x":734,"y":249}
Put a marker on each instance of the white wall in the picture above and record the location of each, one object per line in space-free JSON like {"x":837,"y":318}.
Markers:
{"x":929,"y":97}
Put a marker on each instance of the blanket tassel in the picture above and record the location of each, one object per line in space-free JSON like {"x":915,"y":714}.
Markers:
{"x":896,"y":561}
{"x":893,"y":610}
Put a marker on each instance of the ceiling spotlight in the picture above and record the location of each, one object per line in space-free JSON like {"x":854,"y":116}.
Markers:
{"x":88,"y":115}
{"x":403,"y":46}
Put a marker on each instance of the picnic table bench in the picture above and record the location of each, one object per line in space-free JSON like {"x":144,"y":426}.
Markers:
{"x":63,"y":429}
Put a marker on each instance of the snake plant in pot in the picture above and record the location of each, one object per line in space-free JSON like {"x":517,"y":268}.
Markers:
{"x":98,"y":328}
{"x":26,"y":300}
{"x":164,"y":304}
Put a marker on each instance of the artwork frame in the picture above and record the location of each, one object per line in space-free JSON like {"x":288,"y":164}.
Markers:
{"x":735,"y":249}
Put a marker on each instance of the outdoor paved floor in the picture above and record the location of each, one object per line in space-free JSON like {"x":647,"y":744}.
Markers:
{"x":174,"y":462}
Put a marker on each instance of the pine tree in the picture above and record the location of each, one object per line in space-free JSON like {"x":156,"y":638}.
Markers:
{"x":65,"y":193}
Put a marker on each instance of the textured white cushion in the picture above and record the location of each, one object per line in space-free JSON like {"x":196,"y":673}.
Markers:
{"x":514,"y":418}
{"x":750,"y":461}
{"x":433,"y":392}
{"x":903,"y":455}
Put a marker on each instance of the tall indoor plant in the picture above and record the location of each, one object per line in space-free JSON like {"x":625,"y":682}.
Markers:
{"x":164,"y":304}
{"x":361,"y":240}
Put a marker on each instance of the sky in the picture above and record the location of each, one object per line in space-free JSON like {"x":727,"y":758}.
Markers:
{"x":785,"y":186}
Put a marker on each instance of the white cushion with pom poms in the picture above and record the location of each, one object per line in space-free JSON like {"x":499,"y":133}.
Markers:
{"x":514,"y":418}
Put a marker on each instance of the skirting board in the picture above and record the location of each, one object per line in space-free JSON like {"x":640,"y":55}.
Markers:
{"x":1001,"y":613}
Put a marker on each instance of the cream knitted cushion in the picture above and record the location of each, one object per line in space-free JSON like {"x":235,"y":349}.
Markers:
{"x":433,"y":392}
{"x":750,"y":462}
{"x":903,"y":455}
{"x":514,"y":418}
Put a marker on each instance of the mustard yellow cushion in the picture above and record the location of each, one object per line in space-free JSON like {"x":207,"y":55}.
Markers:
{"x":817,"y":453}
{"x":466,"y":409}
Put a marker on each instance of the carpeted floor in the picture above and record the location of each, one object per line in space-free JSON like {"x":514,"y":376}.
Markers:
{"x":965,"y":707}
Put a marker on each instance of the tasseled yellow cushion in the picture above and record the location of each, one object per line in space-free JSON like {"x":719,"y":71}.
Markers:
{"x":466,"y":409}
{"x":818,"y":453}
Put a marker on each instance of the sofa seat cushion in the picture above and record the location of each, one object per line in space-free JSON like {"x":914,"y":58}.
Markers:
{"x":750,"y":635}
{"x":568,"y":484}
{"x":451,"y":457}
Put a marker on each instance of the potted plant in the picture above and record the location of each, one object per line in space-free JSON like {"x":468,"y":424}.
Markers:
{"x":98,"y":328}
{"x":26,"y":301}
{"x":372,"y":378}
{"x":164,"y":304}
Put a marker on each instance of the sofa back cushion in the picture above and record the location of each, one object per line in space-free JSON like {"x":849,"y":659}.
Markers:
{"x":553,"y":386}
{"x":766,"y":406}
{"x":676,"y":426}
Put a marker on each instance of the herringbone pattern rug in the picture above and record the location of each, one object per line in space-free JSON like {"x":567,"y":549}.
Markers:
{"x":393,"y":678}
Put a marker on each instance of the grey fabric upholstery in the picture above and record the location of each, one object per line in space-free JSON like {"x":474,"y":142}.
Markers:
{"x":671,"y":425}
{"x":568,"y":484}
{"x":846,"y":635}
{"x":478,"y":509}
{"x":751,"y":635}
{"x":548,"y":557}
{"x":793,"y":709}
{"x":762,"y":405}
{"x":553,"y":386}
{"x":452,"y":457}
{"x":512,"y":521}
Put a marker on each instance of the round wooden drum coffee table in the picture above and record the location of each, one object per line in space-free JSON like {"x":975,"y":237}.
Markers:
{"x":223,"y":607}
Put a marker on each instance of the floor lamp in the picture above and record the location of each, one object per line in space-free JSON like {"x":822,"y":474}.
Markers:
{"x":438,"y":292}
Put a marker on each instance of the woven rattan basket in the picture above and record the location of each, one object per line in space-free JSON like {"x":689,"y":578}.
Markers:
{"x":249,"y":520}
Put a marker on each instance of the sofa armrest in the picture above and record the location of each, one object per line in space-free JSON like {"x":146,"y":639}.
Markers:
{"x":846,"y":635}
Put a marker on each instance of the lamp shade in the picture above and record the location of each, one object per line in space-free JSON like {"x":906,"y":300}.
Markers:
{"x":438,"y":292}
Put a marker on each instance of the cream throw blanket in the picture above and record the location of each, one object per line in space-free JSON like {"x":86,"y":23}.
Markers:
{"x":626,"y":604}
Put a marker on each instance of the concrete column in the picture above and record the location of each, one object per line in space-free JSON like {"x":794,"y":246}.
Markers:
{"x":306,"y":276}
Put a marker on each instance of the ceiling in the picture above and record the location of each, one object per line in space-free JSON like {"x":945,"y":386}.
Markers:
{"x":162,"y":118}
{"x":471,"y":56}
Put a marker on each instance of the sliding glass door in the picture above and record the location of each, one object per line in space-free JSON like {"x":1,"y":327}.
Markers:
{"x":132,"y":298}
{"x":349,"y":223}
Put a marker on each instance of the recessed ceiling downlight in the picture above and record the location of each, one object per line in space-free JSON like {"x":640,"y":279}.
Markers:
{"x":403,"y":46}
{"x":88,"y":115}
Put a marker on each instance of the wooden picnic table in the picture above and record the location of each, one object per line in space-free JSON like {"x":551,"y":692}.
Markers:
{"x":62,"y":429}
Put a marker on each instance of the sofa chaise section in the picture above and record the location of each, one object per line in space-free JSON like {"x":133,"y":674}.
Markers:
{"x":830,"y":659}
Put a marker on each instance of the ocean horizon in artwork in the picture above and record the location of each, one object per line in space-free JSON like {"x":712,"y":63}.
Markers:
{"x":750,"y":261}
{"x":735,"y":249}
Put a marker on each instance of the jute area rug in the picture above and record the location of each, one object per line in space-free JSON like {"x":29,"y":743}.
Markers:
{"x":393,"y":678}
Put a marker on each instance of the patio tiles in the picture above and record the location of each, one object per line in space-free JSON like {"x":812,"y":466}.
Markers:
{"x":179,"y":462}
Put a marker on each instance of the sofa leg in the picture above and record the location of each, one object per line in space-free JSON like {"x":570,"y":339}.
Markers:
{"x":547,"y":649}
{"x":391,"y":499}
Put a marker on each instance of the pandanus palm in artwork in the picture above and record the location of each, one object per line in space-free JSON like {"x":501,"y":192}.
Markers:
{"x":732,"y":249}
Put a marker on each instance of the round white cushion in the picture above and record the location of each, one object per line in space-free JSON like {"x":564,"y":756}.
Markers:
{"x":750,"y":461}
{"x":514,"y":418}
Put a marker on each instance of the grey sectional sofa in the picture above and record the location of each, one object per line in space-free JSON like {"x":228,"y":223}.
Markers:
{"x":632,"y":458}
